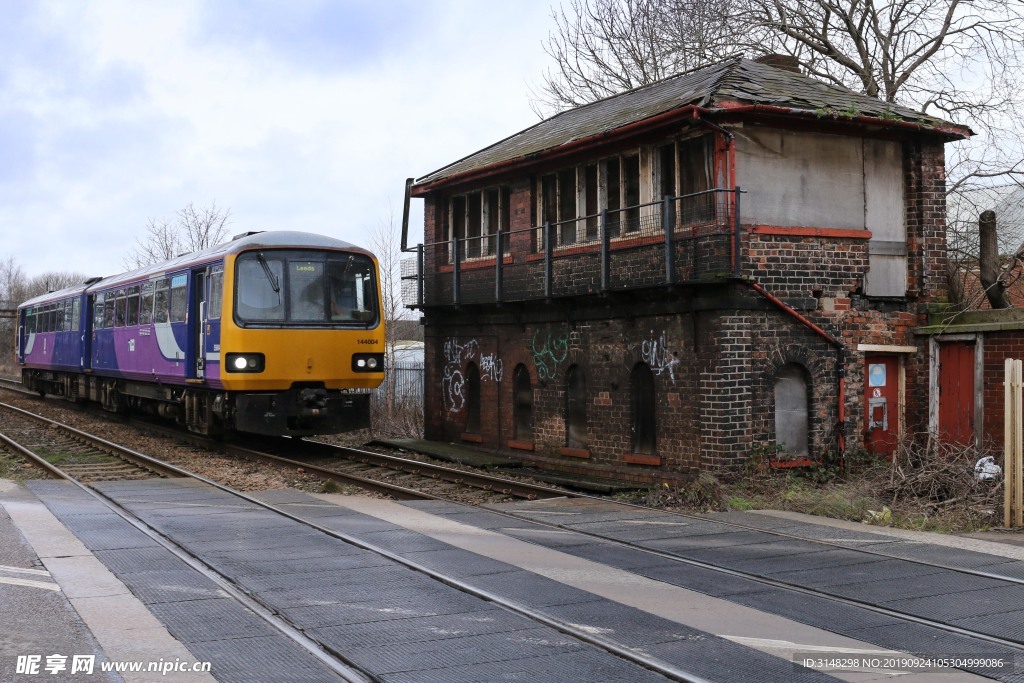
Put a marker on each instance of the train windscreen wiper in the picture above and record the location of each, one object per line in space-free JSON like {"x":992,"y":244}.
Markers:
{"x":270,"y":275}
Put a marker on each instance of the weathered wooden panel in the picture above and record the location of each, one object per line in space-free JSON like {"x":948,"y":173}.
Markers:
{"x":800,"y":179}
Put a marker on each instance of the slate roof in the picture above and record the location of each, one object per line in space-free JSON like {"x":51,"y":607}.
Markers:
{"x":716,"y":88}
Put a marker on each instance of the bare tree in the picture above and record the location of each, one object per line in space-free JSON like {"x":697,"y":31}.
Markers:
{"x":603,"y":47}
{"x":956,"y":59}
{"x":385,"y":243}
{"x":397,"y":410}
{"x":191,"y":229}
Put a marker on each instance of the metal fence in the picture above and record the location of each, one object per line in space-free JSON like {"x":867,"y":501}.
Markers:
{"x":678,"y":239}
{"x":397,"y":404}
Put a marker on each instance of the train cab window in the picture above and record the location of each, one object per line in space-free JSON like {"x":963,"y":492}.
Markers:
{"x":160,"y":308}
{"x":306,"y":280}
{"x":133,"y":306}
{"x":352,"y":289}
{"x":216,"y":293}
{"x":259,"y":288}
{"x":179,"y":300}
{"x":305,"y":288}
{"x":146,"y":303}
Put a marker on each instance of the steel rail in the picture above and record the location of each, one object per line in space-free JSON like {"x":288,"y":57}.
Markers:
{"x":118,"y":451}
{"x":343,"y":669}
{"x":486,"y":482}
{"x":325,"y":653}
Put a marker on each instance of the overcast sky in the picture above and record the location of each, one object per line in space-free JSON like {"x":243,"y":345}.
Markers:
{"x":298,"y":114}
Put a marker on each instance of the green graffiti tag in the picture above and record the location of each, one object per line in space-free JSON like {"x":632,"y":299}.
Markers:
{"x":549,"y":352}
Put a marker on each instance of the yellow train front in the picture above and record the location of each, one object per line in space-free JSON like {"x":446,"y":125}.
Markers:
{"x":300,"y":340}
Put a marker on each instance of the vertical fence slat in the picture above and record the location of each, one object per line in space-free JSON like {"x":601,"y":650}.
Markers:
{"x":1018,"y":479}
{"x":1008,"y":440}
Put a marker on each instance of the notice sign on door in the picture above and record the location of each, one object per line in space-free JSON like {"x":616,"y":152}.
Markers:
{"x":876,"y":375}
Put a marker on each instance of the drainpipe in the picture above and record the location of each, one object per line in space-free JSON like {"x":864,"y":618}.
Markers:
{"x":840,"y":356}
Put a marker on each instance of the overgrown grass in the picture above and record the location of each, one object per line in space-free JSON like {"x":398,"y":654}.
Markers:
{"x":927,"y":486}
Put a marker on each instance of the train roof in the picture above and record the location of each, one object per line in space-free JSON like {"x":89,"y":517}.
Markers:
{"x":276,"y":239}
{"x":74,"y":290}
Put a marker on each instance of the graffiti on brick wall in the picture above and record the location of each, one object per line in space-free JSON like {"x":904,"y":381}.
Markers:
{"x":548,"y":351}
{"x":456,"y":354}
{"x":658,"y":356}
{"x":491,"y":367}
{"x":452,"y":383}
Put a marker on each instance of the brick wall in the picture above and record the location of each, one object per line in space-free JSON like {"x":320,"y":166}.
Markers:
{"x":715,"y":364}
{"x":998,"y":346}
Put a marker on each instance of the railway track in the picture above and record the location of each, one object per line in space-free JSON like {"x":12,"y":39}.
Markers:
{"x":398,"y":477}
{"x":26,"y":435}
{"x":66,"y":452}
{"x":44,"y":436}
{"x":332,"y":455}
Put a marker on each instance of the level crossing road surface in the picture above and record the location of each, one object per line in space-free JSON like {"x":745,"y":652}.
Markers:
{"x":374,"y":596}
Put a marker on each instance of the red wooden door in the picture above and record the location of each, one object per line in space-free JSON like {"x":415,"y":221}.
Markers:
{"x":881,"y":404}
{"x":956,"y":392}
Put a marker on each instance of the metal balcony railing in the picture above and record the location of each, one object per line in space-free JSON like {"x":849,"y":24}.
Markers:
{"x":676,"y":240}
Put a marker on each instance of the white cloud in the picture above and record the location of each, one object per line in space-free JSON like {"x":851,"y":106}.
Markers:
{"x":308,"y":120}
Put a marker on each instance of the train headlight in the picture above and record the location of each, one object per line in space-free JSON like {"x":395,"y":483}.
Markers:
{"x":245,"y":362}
{"x":368,"y":362}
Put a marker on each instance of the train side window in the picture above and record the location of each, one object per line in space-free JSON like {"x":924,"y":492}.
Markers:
{"x":51,"y":316}
{"x":58,"y":317}
{"x":30,"y":321}
{"x":97,"y":311}
{"x":108,"y":311}
{"x":179,"y":299}
{"x":160,"y":307}
{"x":67,"y":316}
{"x":133,"y":306}
{"x":120,"y":310}
{"x":146,"y":304}
{"x":216,"y":293}
{"x":76,"y":311}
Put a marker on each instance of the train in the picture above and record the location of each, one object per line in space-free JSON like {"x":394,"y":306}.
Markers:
{"x":274,"y":333}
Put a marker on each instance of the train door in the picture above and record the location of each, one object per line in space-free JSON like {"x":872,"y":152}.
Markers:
{"x":22,"y":334}
{"x":197,"y":326}
{"x":956,"y":391}
{"x":881,"y":403}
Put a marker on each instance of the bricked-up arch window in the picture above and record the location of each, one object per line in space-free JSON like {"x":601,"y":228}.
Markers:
{"x":642,"y":409}
{"x":472,"y":389}
{"x":575,"y":408}
{"x":522,"y":404}
{"x":792,"y":416}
